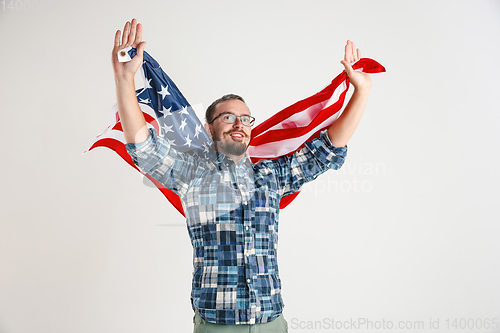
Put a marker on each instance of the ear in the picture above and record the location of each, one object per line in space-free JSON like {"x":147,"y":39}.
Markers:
{"x":207,"y":129}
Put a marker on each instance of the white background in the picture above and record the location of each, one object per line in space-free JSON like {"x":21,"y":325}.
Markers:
{"x":407,"y":230}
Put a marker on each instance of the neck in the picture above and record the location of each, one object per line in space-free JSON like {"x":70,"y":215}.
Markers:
{"x":236,"y":158}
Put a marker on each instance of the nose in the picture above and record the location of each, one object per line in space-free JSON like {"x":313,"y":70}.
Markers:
{"x":238,"y":123}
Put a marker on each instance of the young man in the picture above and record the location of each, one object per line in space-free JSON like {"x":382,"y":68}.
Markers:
{"x":231,"y":204}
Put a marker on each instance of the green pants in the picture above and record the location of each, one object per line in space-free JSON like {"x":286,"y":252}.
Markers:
{"x":279,"y":325}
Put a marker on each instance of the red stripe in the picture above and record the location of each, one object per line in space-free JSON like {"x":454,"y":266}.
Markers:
{"x":285,"y":201}
{"x":118,"y":126}
{"x":117,"y":146}
{"x":283,"y":134}
{"x":171,"y":196}
{"x":284,"y":114}
{"x":368,"y":65}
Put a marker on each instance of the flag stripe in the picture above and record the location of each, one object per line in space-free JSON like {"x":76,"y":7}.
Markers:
{"x":303,"y":118}
{"x":284,"y":114}
{"x":290,"y":128}
{"x":328,"y":114}
{"x":285,"y":146}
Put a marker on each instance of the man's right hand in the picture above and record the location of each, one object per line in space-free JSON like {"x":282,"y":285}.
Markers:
{"x":133,"y":123}
{"x":132,"y":36}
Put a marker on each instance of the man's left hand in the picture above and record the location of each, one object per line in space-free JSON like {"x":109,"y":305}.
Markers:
{"x":360,"y":80}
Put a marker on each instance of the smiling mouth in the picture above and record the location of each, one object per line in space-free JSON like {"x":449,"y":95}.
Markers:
{"x":237,"y":136}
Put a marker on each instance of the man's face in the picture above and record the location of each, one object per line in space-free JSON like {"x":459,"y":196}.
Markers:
{"x":231,"y":139}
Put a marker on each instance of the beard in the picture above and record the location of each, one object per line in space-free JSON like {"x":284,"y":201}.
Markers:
{"x":229,"y":147}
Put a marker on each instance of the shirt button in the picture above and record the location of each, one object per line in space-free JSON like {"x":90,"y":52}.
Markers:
{"x":246,"y":227}
{"x":248,"y":280}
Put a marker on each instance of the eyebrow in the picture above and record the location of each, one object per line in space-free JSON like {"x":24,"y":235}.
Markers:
{"x":235,"y":114}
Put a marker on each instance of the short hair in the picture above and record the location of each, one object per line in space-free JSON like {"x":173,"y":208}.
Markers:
{"x":211,"y":109}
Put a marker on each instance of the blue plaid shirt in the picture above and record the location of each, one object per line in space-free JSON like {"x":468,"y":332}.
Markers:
{"x":232,"y":218}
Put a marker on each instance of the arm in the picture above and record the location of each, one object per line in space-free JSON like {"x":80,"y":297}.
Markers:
{"x":174,"y":169}
{"x":343,"y":128}
{"x":306,"y":164}
{"x":150,"y":153}
{"x":131,"y":117}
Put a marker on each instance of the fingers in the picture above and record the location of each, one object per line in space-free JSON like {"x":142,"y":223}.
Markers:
{"x":131,"y":36}
{"x":348,"y":52}
{"x":138,"y":36}
{"x":126,"y":31}
{"x":140,"y":49}
{"x":117,"y":38}
{"x":352,"y":54}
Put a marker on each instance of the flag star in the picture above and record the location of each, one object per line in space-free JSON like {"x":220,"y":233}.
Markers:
{"x":145,"y":101}
{"x":197,"y":130}
{"x":188,"y":141}
{"x":171,"y":142}
{"x":166,"y":112}
{"x":205,"y":148}
{"x":167,"y":128}
{"x":184,"y":111}
{"x":183,"y":124}
{"x":164,"y":91}
{"x":147,"y":85}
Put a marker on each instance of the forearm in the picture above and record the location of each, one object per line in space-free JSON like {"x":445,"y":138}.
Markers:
{"x":174,"y":169}
{"x":131,"y":117}
{"x":341,"y":131}
{"x":306,"y":164}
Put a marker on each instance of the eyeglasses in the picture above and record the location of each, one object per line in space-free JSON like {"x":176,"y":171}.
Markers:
{"x":230,"y":118}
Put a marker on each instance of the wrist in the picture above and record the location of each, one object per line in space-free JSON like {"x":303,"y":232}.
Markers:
{"x":124,"y":80}
{"x":363,"y":90}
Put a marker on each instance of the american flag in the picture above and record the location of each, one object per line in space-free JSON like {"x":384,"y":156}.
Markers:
{"x":167,"y":110}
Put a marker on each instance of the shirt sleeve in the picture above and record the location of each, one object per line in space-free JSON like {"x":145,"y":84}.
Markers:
{"x":306,"y":164}
{"x":155,"y":157}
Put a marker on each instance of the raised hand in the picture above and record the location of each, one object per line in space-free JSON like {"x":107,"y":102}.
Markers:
{"x":132,"y":35}
{"x":133,"y":123}
{"x":358,"y":79}
{"x":341,"y":131}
